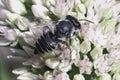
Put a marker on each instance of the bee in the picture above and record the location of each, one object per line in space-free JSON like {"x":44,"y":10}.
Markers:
{"x":64,"y":29}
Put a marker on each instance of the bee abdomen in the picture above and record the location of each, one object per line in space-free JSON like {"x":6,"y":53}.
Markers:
{"x":46,"y":42}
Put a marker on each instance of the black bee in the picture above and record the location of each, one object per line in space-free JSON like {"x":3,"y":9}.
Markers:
{"x":64,"y":30}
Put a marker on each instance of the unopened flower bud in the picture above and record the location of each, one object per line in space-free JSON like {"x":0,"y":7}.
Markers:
{"x":40,"y":11}
{"x":116,"y":76}
{"x":65,"y":66}
{"x":10,"y":35}
{"x":12,"y":16}
{"x":19,"y":71}
{"x":62,"y":76}
{"x":28,"y":76}
{"x":105,"y":76}
{"x":115,"y":67}
{"x":85,"y":46}
{"x":3,"y":13}
{"x":52,"y":63}
{"x":15,"y":6}
{"x":22,"y":23}
{"x":96,"y":52}
{"x":48,"y":76}
{"x":78,"y":77}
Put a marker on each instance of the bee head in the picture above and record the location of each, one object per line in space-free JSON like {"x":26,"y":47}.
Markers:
{"x":67,"y":27}
{"x":63,"y":29}
{"x":74,"y":21}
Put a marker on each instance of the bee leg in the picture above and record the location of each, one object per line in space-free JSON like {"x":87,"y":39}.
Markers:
{"x":67,"y":45}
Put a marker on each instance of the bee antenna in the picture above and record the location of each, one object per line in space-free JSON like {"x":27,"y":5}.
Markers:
{"x":86,"y":20}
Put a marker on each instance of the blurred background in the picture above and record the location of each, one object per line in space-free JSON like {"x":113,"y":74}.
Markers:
{"x":7,"y":65}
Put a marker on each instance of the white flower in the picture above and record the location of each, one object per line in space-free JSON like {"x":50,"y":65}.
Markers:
{"x":85,"y":46}
{"x":3,"y":13}
{"x":101,"y":38}
{"x":62,"y":76}
{"x":115,"y":67}
{"x":64,"y":66}
{"x":114,"y":54}
{"x":62,"y":7}
{"x":75,"y":44}
{"x":24,"y":74}
{"x":102,"y":9}
{"x":117,"y":29}
{"x":74,"y":55}
{"x":116,"y":76}
{"x":108,"y":25}
{"x":48,"y":76}
{"x":115,"y":10}
{"x":9,"y":34}
{"x":12,"y":17}
{"x":114,"y":41}
{"x":40,"y":11}
{"x":96,"y":52}
{"x":107,"y":14}
{"x":96,"y":34}
{"x":104,"y":32}
{"x":103,"y":4}
{"x":15,"y":6}
{"x":29,"y":76}
{"x":104,"y":21}
{"x":102,"y":65}
{"x":20,"y":71}
{"x":22,"y":23}
{"x":78,"y":77}
{"x":105,"y":76}
{"x":52,"y":63}
{"x":85,"y":66}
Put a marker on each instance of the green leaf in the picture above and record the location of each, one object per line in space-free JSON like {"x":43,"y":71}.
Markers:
{"x":92,"y":76}
{"x":28,"y":4}
{"x":75,"y":70}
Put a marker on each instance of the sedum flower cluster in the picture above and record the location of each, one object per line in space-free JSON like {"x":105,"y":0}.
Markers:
{"x":93,"y":55}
